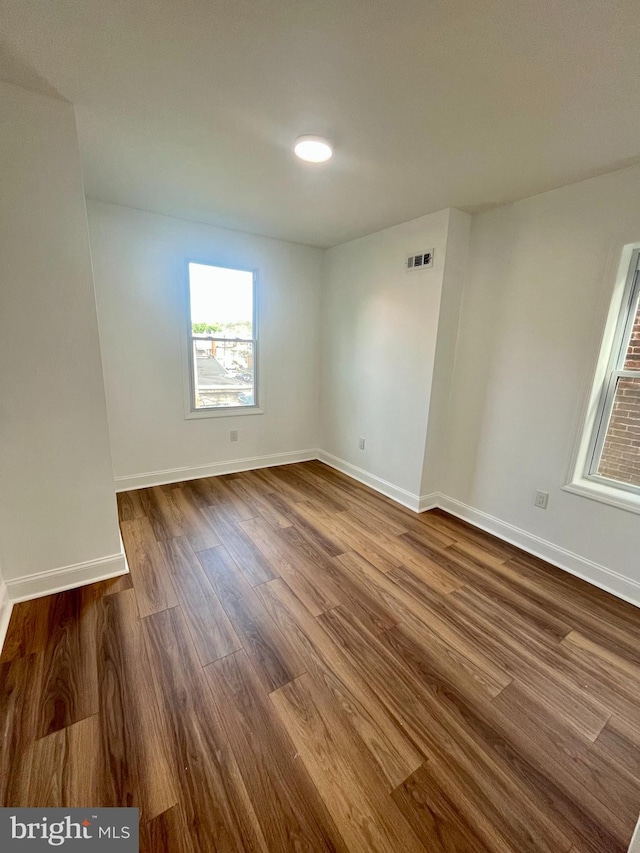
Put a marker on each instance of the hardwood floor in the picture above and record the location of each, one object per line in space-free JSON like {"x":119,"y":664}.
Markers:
{"x":297,"y":663}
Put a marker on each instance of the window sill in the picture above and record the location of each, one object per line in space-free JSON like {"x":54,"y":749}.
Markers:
{"x":595,"y":491}
{"x":226,"y":412}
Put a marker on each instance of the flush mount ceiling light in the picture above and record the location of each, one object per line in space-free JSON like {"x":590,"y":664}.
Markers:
{"x":313,"y":149}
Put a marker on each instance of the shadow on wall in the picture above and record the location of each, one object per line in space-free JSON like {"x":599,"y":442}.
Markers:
{"x":486,"y":300}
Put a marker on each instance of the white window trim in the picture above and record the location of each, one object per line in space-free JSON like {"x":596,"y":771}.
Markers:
{"x":190,"y":412}
{"x":581,"y":481}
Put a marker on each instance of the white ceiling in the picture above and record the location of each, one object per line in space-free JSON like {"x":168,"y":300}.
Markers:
{"x":189,"y":107}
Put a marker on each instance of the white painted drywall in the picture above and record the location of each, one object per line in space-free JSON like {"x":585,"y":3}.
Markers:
{"x":57,"y":502}
{"x":380,"y":325}
{"x":535,"y":302}
{"x":139,"y":262}
{"x":455,"y":266}
{"x":5,"y":609}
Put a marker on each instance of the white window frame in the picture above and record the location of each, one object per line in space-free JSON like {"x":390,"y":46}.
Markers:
{"x":190,"y":409}
{"x":615,"y":371}
{"x":585,"y":480}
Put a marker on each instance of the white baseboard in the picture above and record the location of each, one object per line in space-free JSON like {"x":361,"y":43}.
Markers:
{"x":233,"y":466}
{"x":427,"y":502}
{"x":600,"y":576}
{"x":6,"y":606}
{"x":397,"y":494}
{"x":66,"y":577}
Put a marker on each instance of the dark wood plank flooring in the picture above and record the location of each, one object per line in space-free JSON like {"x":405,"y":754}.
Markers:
{"x":297,"y":663}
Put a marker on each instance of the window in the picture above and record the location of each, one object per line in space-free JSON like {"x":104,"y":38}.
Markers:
{"x":614,"y":453}
{"x":222,"y":340}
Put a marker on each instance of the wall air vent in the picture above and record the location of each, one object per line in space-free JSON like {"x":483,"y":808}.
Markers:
{"x":420,"y":261}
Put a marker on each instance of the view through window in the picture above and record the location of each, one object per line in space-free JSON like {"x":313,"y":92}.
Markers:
{"x":616,"y":453}
{"x":223,"y":337}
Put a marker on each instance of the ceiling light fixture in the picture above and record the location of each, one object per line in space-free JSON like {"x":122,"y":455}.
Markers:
{"x":313,"y":149}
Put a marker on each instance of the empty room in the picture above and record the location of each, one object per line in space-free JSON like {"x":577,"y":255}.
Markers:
{"x":320,"y":426}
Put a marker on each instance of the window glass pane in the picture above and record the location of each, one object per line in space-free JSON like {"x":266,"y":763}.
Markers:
{"x":632,"y":358}
{"x":221,"y":301}
{"x":620,"y":458}
{"x":223,"y":373}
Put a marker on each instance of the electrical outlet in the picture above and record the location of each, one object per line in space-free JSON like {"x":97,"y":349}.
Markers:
{"x":541,"y":500}
{"x":233,"y":435}
{"x":361,"y":443}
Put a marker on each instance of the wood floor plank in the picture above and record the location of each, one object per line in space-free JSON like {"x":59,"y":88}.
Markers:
{"x":359,"y":496}
{"x":364,"y":600}
{"x":321,"y":489}
{"x":20,"y":685}
{"x":330,"y":670}
{"x":217,"y":809}
{"x":210,"y":628}
{"x":440,"y":824}
{"x":578,"y":787}
{"x":287,"y":563}
{"x":385,"y":513}
{"x":28,"y":630}
{"x":480,"y":777}
{"x":271,"y":653}
{"x":478,"y":553}
{"x":571,"y":762}
{"x":254,"y":500}
{"x":619,"y":741}
{"x":336,"y":524}
{"x":160,"y":512}
{"x":426,"y":571}
{"x":610,"y":679}
{"x":402,"y":601}
{"x":370,"y":515}
{"x":193,"y":524}
{"x":318,"y":535}
{"x":589,"y":598}
{"x":199,"y":493}
{"x":325,"y":498}
{"x":281,"y":485}
{"x":365,"y":815}
{"x":136,"y":766}
{"x":251,"y":562}
{"x":69,"y":687}
{"x":129,"y":505}
{"x":478,"y":572}
{"x":112,"y":585}
{"x":288,"y":807}
{"x":230,"y":499}
{"x":538,"y":664}
{"x":587,"y":649}
{"x":167,"y":833}
{"x":408,"y":556}
{"x":561,"y":597}
{"x":465,"y":532}
{"x":445,"y":658}
{"x":149,"y":571}
{"x":384,"y":739}
{"x":491,"y":635}
{"x":63,"y":767}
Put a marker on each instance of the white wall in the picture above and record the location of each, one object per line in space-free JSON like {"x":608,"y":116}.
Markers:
{"x":5,"y":609}
{"x":535,"y":302}
{"x":380,"y":325}
{"x":455,"y":266}
{"x":139,"y":264}
{"x":57,"y":502}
